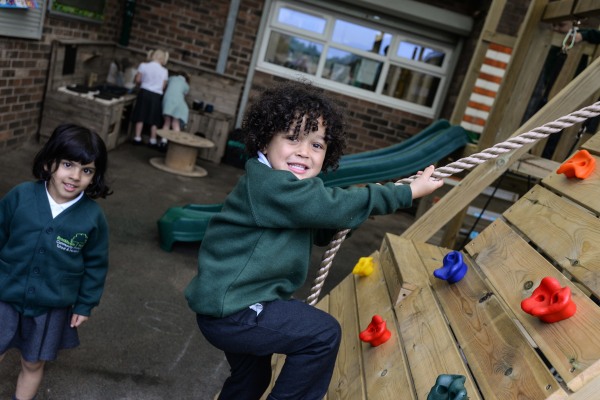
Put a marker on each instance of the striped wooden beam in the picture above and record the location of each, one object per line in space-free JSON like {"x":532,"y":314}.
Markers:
{"x":486,"y":87}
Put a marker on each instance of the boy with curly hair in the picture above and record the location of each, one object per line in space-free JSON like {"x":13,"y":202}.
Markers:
{"x":256,"y":251}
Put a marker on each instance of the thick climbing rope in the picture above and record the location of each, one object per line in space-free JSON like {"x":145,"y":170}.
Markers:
{"x":455,"y":167}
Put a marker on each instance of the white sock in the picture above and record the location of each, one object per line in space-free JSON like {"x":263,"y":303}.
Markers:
{"x":137,"y":139}
{"x":152,"y":141}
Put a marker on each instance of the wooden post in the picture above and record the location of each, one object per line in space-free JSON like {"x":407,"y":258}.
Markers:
{"x":497,"y":128}
{"x":488,"y":30}
{"x":487,"y":34}
{"x":568,"y":100}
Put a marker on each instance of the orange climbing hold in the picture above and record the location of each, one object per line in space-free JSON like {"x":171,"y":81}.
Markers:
{"x":550,"y":302}
{"x":581,"y":165}
{"x":364,"y":266}
{"x":376,"y":333}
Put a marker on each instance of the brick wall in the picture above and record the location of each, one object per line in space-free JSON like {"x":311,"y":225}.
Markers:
{"x":192,"y":32}
{"x":370,"y":126}
{"x":24,"y":67}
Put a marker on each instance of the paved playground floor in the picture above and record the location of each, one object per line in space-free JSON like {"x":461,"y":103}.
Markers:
{"x":142,"y":342}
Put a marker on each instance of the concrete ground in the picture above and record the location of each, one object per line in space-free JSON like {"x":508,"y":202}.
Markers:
{"x":142,"y":341}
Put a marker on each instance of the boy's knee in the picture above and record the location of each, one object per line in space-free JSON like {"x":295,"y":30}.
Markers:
{"x":334,"y":334}
{"x":338,"y":333}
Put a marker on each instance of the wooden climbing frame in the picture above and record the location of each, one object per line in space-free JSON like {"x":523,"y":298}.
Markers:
{"x":529,"y":49}
{"x":475,"y":327}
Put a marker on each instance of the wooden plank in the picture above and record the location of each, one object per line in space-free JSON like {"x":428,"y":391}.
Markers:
{"x":498,"y":38}
{"x":515,"y":269}
{"x":588,"y":392}
{"x":428,"y":342}
{"x":223,"y":92}
{"x":502,"y":361}
{"x":567,"y":71}
{"x":429,"y":345}
{"x":397,"y":288}
{"x":593,"y":145}
{"x":585,"y":192}
{"x":587,"y":8}
{"x":385,"y":369}
{"x":563,"y":231}
{"x":525,"y":83}
{"x":491,"y":24}
{"x":397,"y":259}
{"x":566,"y":144}
{"x":214,"y":126}
{"x":513,"y":81}
{"x":348,"y":377}
{"x":536,"y":167}
{"x":559,"y":10}
{"x":568,"y":100}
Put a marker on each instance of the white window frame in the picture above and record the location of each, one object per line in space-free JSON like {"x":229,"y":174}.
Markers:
{"x":442,"y":72}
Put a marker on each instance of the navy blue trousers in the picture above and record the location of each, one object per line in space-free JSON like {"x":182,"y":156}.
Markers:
{"x":309,"y":337}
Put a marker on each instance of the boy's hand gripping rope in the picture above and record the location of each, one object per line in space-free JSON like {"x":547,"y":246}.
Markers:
{"x":459,"y":166}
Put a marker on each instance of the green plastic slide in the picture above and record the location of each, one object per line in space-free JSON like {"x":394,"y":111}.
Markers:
{"x":402,"y":162}
{"x":188,"y":223}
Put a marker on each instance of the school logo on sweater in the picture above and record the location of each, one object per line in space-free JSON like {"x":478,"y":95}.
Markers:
{"x":73,"y":245}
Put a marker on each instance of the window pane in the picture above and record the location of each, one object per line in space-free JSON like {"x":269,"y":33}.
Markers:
{"x":351,"y":69}
{"x":361,"y":37}
{"x":301,"y":20}
{"x":410,"y":85}
{"x":420,"y":53}
{"x":293,"y":52}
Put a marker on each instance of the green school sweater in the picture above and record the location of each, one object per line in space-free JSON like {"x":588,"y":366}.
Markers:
{"x":50,"y":262}
{"x":257,"y":249}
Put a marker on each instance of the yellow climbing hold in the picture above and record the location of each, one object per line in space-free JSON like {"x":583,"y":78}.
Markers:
{"x":364,"y":266}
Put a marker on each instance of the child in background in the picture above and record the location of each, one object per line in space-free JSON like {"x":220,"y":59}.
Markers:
{"x":256,"y":251}
{"x":152,"y":77}
{"x":53,"y":252}
{"x":174,"y":106}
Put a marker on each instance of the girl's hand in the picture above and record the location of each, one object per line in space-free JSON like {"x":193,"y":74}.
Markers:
{"x":77,"y":320}
{"x":425,"y":184}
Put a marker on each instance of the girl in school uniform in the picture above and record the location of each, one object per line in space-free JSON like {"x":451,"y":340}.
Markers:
{"x":174,"y":107}
{"x":152,"y":77}
{"x":53,"y":252}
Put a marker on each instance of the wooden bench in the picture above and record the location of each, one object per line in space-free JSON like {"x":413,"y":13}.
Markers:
{"x":476,"y":327}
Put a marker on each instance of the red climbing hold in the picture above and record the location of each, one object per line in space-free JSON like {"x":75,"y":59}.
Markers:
{"x":376,"y":333}
{"x":550,"y":302}
{"x":581,"y":165}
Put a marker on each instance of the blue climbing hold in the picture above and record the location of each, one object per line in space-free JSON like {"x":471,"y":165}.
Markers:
{"x":454,"y":268}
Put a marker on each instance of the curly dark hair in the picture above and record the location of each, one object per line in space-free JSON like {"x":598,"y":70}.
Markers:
{"x":284,"y":106}
{"x":74,"y":143}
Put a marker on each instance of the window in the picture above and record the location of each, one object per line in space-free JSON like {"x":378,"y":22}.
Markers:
{"x":357,"y":57}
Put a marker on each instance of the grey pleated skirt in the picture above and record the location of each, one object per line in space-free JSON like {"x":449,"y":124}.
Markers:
{"x":37,"y":338}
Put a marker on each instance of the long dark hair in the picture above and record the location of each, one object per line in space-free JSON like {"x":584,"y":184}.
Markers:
{"x":74,"y":143}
